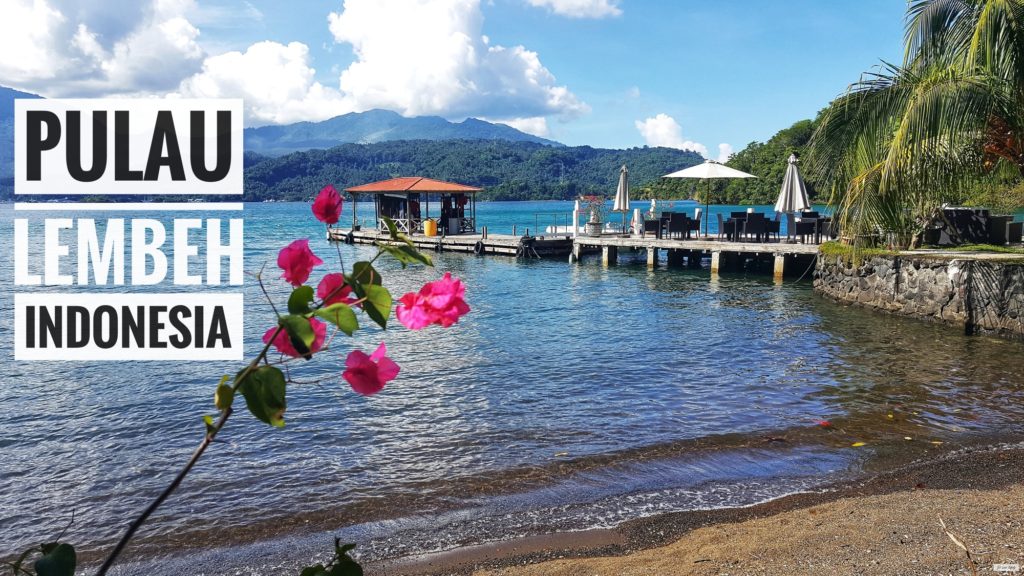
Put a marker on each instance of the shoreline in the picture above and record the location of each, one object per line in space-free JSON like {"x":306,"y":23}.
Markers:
{"x":997,"y":467}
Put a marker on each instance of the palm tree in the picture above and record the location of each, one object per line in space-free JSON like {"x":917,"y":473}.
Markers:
{"x":906,"y":139}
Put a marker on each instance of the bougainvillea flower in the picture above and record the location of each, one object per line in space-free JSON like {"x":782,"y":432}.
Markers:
{"x":332,"y":289}
{"x":439,"y":302}
{"x":327,"y":206}
{"x":824,"y":423}
{"x":284,"y":344}
{"x":368,"y":374}
{"x":297,"y":261}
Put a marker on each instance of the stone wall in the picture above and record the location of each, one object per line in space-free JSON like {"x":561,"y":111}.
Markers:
{"x":978,"y":295}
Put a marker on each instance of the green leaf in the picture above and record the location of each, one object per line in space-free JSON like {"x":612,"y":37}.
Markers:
{"x":377,"y":304}
{"x":264,"y":390}
{"x":58,"y":560}
{"x":208,"y":420}
{"x":224,"y":395}
{"x":392,"y":228}
{"x":341,"y":315}
{"x":406,"y":254}
{"x":344,"y":565}
{"x":301,"y":334}
{"x":363,"y":273}
{"x":317,"y":570}
{"x":394,"y":233}
{"x":298,"y":302}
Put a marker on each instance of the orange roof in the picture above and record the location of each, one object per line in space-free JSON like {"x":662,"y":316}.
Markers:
{"x":412,"y":184}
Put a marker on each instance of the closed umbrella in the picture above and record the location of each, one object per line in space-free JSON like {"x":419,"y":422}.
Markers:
{"x":621,"y":203}
{"x":706,"y":171}
{"x":793,"y":195}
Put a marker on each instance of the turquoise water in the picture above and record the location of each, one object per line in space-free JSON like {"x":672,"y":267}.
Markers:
{"x":572,"y":396}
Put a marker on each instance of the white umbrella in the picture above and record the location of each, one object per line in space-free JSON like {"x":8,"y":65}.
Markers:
{"x":708,"y":170}
{"x":638,"y":222}
{"x":793,"y":195}
{"x":621,"y":203}
{"x":576,"y":219}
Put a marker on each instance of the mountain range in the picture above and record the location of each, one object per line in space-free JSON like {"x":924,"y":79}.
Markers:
{"x":292,"y":162}
{"x":376,"y":126}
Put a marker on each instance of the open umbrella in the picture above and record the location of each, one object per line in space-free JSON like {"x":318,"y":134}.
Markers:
{"x":793,"y":195}
{"x":706,"y":171}
{"x":621,"y":203}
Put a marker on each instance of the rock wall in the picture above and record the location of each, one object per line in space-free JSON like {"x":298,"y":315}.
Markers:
{"x":980,"y":296}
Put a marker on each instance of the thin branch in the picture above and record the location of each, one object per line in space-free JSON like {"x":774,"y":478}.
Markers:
{"x":196,"y":455}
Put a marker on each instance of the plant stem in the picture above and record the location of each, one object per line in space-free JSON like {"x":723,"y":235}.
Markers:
{"x":196,"y":455}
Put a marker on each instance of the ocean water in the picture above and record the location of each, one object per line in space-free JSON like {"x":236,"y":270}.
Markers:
{"x":571,"y":397}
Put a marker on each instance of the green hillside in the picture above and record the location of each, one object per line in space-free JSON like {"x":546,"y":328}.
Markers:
{"x":507,"y":170}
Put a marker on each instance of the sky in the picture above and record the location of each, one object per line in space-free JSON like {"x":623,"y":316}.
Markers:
{"x":710,"y":76}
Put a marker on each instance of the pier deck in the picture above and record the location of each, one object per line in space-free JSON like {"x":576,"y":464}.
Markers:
{"x":723,"y":255}
{"x":551,"y":245}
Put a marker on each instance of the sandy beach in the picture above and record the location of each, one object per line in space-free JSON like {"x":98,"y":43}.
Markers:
{"x":887,"y":524}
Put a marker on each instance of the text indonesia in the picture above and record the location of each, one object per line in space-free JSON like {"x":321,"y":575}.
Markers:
{"x":137,"y":147}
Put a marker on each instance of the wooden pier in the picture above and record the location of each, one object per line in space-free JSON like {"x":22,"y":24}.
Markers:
{"x":722,"y":254}
{"x":551,"y":245}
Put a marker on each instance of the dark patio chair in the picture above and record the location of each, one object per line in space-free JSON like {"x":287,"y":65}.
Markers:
{"x":801,"y":229}
{"x":652,"y":227}
{"x":677,"y":226}
{"x":755,"y":227}
{"x":692,"y":225}
{"x":809,"y":214}
{"x":775,"y":226}
{"x":722,"y":228}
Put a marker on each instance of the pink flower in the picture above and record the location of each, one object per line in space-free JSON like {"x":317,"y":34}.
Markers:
{"x":332,"y":289}
{"x":368,"y":374}
{"x":439,"y":302}
{"x":297,"y":261}
{"x":327,"y":206}
{"x":284,"y":344}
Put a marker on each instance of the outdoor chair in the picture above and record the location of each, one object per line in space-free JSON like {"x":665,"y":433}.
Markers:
{"x":810,"y":214}
{"x":692,"y":225}
{"x":652,"y":227}
{"x":775,"y":226}
{"x":801,"y":229}
{"x":730,"y":229}
{"x":677,"y":226}
{"x":755,"y":227}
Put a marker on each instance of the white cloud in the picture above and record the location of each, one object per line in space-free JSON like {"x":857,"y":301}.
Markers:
{"x":275,"y":81}
{"x":724,"y":152}
{"x":663,"y":130}
{"x":580,"y":8}
{"x":538,"y":125}
{"x":416,"y":57}
{"x":43,"y":50}
{"x":430,"y":57}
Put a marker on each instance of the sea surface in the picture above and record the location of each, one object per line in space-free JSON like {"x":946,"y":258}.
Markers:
{"x":570,"y":397}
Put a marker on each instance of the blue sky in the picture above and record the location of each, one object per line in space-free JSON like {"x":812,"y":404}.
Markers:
{"x":607,"y":73}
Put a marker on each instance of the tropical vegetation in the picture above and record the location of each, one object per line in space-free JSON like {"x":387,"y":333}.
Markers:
{"x":944,"y":127}
{"x":506,"y":170}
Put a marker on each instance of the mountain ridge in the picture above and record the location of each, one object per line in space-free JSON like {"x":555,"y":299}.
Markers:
{"x":374,"y":126}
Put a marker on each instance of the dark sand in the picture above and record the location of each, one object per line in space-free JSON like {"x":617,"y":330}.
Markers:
{"x":885,"y":524}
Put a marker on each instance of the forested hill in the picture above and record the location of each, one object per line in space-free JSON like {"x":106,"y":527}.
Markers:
{"x":506,"y":170}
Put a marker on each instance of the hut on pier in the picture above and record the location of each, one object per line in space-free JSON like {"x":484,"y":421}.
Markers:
{"x":409,"y":201}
